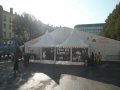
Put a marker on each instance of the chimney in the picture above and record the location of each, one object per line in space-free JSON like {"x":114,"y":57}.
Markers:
{"x":11,"y":10}
{"x":1,"y":8}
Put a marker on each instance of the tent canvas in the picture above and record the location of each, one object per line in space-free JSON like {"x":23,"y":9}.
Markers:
{"x":61,"y":34}
{"x":73,"y":40}
{"x":45,"y":41}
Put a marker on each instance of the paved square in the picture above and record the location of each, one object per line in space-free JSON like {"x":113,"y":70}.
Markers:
{"x":60,"y":77}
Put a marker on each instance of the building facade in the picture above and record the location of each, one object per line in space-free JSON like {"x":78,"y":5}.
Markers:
{"x":90,"y":28}
{"x":6,"y":30}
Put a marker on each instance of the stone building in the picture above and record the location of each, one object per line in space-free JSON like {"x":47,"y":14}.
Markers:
{"x":6,"y":30}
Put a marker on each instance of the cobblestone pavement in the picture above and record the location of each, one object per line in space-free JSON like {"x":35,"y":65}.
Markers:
{"x":60,"y":77}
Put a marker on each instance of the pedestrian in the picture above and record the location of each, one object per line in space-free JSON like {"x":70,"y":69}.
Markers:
{"x":0,"y":56}
{"x":16,"y":65}
{"x":99,"y":57}
{"x":26,"y":59}
{"x":6,"y":57}
{"x":16,"y":60}
{"x":92,"y":57}
{"x":44,"y":55}
{"x":3,"y":56}
{"x":12,"y":57}
{"x":96,"y":58}
{"x":79,"y":58}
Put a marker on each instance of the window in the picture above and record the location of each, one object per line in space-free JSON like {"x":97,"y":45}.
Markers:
{"x":4,"y":34}
{"x":4,"y":18}
{"x":4,"y":26}
{"x":10,"y":27}
{"x":10,"y":20}
{"x":10,"y":35}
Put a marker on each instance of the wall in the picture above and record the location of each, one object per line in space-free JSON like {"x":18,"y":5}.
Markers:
{"x":109,"y":48}
{"x":8,"y":23}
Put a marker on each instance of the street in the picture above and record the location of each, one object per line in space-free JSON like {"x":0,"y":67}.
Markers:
{"x":36,"y":76}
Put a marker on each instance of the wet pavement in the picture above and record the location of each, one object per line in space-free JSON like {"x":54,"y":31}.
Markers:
{"x":60,"y":77}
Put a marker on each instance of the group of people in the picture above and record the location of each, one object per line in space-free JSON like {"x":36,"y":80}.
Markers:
{"x":5,"y":56}
{"x":15,"y":58}
{"x":95,"y":58}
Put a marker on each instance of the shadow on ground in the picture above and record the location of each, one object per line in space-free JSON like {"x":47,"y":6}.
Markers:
{"x":107,"y":72}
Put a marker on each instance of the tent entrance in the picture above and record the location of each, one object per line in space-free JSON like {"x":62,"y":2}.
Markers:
{"x":62,"y":54}
{"x":48,"y":53}
{"x":79,"y":54}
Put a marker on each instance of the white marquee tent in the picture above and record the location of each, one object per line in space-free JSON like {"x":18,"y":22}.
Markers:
{"x":59,"y":38}
{"x":69,"y":38}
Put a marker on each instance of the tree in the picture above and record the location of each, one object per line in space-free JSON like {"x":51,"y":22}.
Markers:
{"x":26,"y":24}
{"x":112,"y":26}
{"x":18,"y":25}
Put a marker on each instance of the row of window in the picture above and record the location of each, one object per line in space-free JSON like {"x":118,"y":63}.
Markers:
{"x":96,"y":30}
{"x":84,"y":28}
{"x":5,"y":35}
{"x":5,"y":19}
{"x":10,"y":26}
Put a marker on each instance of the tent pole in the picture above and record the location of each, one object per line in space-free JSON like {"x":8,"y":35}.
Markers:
{"x":28,"y":50}
{"x":55,"y":55}
{"x":40,"y":54}
{"x":71,"y":54}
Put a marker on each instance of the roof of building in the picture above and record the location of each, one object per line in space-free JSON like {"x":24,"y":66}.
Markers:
{"x":6,"y":12}
{"x":89,"y":25}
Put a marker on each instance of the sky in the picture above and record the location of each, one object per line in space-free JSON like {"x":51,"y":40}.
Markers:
{"x":63,"y":12}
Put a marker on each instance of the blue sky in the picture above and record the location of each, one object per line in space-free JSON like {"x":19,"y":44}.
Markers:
{"x":63,"y":12}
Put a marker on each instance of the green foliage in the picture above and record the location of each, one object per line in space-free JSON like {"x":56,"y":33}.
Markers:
{"x":112,"y":26}
{"x":26,"y":25}
{"x":18,"y":25}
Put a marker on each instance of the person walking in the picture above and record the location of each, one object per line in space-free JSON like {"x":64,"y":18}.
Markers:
{"x":17,"y":54}
{"x":16,"y":65}
{"x":0,"y":56}
{"x":96,"y":58}
{"x":26,"y":59}
{"x":92,"y":57}
{"x":99,"y":57}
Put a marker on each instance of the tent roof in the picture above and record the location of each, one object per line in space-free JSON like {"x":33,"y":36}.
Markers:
{"x":74,"y":40}
{"x":61,"y":34}
{"x":45,"y":41}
